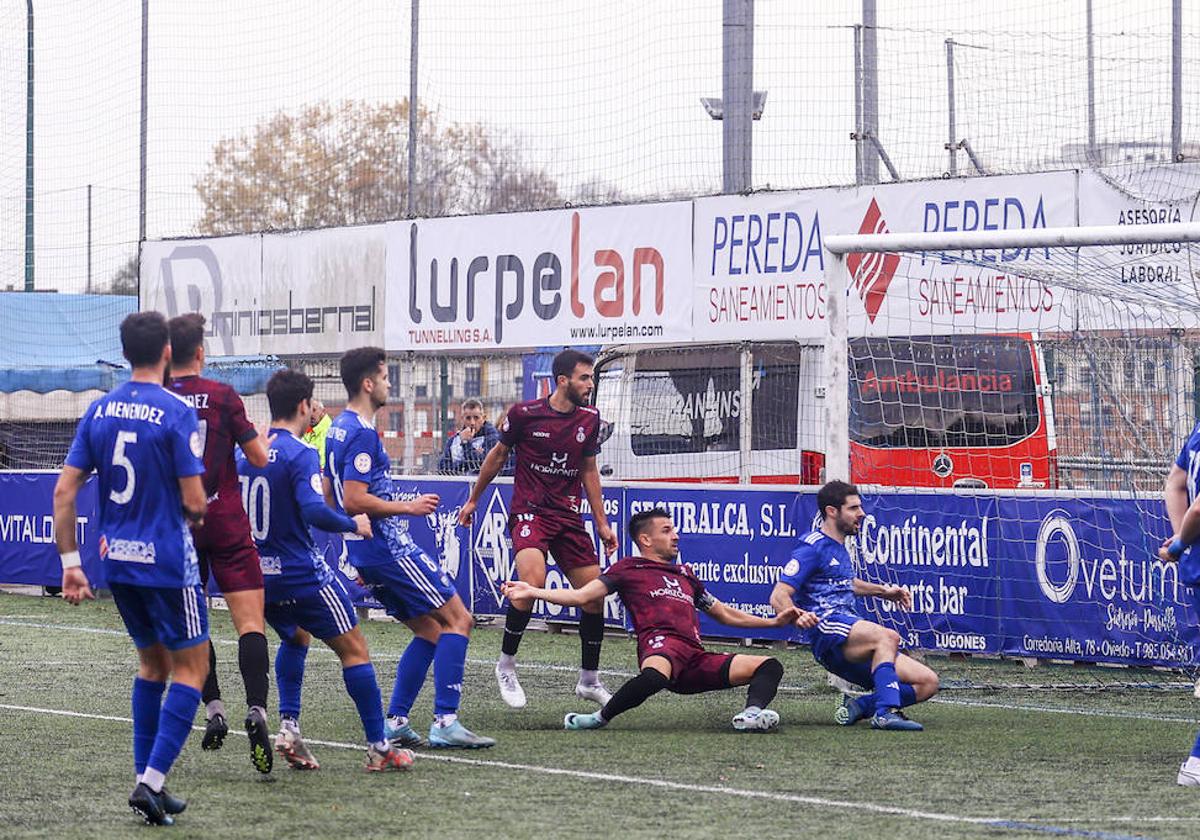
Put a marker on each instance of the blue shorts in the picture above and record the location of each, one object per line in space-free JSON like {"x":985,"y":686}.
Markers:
{"x":325,"y":612}
{"x":176,"y":618}
{"x":410,"y":586}
{"x":827,"y":639}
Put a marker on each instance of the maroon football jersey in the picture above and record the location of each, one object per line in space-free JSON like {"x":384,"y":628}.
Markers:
{"x":662,"y":599}
{"x":223,"y":423}
{"x":550,"y":448}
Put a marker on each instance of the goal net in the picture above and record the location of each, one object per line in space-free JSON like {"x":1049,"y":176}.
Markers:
{"x":1016,"y":400}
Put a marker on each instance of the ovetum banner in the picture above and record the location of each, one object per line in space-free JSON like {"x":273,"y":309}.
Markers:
{"x":1071,"y":578}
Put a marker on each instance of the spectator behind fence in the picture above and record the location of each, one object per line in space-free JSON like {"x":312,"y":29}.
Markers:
{"x":315,"y":436}
{"x":466,"y":448}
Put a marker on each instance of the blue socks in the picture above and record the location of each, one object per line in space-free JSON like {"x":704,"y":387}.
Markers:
{"x":410,"y":675}
{"x":449,"y":662}
{"x":174,"y":726}
{"x":887,"y":686}
{"x":1196,"y":748}
{"x":147,"y":706}
{"x":289,"y":676}
{"x":364,"y":691}
{"x":908,"y":695}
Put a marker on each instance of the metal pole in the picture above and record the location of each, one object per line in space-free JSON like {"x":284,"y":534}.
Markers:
{"x":29,"y":148}
{"x":89,"y":238}
{"x":444,"y":407}
{"x":1091,"y":87}
{"x":409,"y":206}
{"x":870,"y":90}
{"x":837,"y":371}
{"x":951,"y":141}
{"x":858,"y":106}
{"x":1177,"y":80}
{"x":737,"y":92}
{"x":144,"y":118}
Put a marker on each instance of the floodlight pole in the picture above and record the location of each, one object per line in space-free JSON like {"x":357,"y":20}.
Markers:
{"x":837,"y":369}
{"x":870,"y":90}
{"x":145,"y":117}
{"x":29,"y":148}
{"x":1176,"y":80}
{"x":1091,"y":88}
{"x":737,"y":94}
{"x":951,"y":142}
{"x":409,"y":205}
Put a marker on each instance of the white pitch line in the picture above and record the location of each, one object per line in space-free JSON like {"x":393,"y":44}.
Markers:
{"x":544,"y":666}
{"x":721,"y":790}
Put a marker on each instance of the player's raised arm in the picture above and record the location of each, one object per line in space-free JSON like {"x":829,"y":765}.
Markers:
{"x":75,"y":585}
{"x":593,"y":591}
{"x":358,"y":499}
{"x":493,"y":462}
{"x":255,"y":451}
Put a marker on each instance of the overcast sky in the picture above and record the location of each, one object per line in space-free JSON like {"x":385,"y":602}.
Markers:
{"x":593,"y":90}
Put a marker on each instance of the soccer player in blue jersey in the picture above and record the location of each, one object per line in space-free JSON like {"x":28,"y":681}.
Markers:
{"x":1182,"y":495}
{"x":819,"y":579}
{"x":412,"y":587}
{"x":303,"y":597}
{"x":143,"y":442}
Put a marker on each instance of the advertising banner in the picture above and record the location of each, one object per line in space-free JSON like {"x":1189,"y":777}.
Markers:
{"x":310,"y":292}
{"x":947,"y":555}
{"x":736,"y":541}
{"x":27,"y":551}
{"x":561,"y":277}
{"x":1081,"y":581}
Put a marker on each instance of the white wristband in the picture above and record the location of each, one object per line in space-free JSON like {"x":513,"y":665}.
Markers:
{"x":70,"y":560}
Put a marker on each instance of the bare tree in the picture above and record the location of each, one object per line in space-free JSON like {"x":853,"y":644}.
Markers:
{"x":347,"y":163}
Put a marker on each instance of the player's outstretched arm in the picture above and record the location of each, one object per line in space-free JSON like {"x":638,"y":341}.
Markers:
{"x":733,"y":617}
{"x":593,"y":591}
{"x":895,"y":594}
{"x":358,"y":500}
{"x":492,"y":464}
{"x":1175,"y":494}
{"x":782,"y":600}
{"x":75,"y":585}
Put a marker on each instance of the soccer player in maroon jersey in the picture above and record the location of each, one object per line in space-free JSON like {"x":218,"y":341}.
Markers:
{"x":662,"y":597}
{"x":557,"y":440}
{"x":224,"y":543}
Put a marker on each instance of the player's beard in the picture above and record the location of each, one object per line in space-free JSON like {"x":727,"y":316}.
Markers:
{"x":576,"y":397}
{"x":848,"y":529}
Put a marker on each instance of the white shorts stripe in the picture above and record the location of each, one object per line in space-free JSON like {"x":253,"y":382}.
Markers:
{"x":421,"y":581}
{"x":336,"y":608}
{"x":190,"y":612}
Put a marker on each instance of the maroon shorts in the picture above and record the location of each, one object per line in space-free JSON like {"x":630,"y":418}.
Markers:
{"x":229,"y":557}
{"x":562,"y":535}
{"x":693,"y":669}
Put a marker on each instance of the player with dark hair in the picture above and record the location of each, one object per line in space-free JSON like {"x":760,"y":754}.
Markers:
{"x":227,"y":552}
{"x":819,"y":579}
{"x":662,"y":597}
{"x":303,"y":596}
{"x":412,"y":587}
{"x":144,"y":444}
{"x":557,"y":439}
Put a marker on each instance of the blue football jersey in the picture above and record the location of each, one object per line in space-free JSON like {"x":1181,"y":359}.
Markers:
{"x":1189,"y":462}
{"x":282,"y":499}
{"x":354,"y":452}
{"x":141,"y":439}
{"x":821,"y":572}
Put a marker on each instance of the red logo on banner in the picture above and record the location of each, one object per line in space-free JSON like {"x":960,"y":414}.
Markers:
{"x":872,"y":273}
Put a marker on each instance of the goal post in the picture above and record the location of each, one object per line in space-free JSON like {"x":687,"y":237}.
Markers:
{"x":1011,"y":401}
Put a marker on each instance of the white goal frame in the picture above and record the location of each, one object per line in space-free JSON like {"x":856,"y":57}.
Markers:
{"x":838,"y":246}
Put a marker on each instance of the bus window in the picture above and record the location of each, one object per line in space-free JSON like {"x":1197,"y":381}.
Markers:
{"x":942,"y":392}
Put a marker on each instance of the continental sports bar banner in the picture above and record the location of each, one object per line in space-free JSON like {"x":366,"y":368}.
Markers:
{"x":316,"y":291}
{"x":558,"y":277}
{"x":1071,"y":578}
{"x":761,"y":270}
